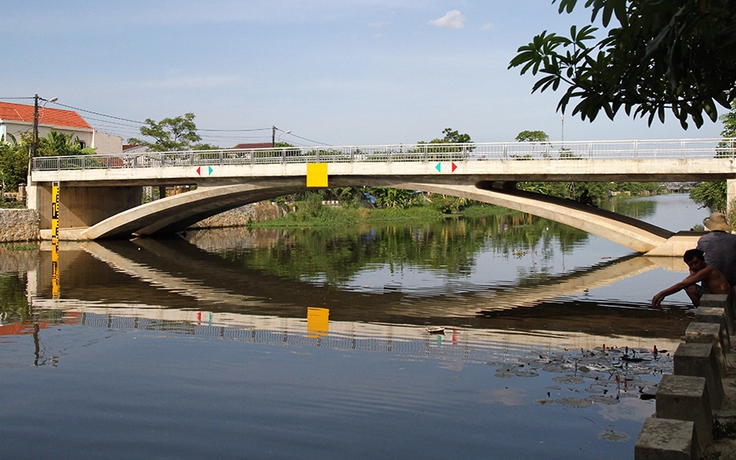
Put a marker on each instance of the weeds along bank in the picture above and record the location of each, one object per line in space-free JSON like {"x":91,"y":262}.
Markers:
{"x":308,"y":214}
{"x":18,"y":257}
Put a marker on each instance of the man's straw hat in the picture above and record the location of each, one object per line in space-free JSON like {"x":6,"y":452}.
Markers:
{"x":717,"y":221}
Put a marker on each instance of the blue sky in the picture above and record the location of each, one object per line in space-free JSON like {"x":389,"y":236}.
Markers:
{"x":336,"y":72}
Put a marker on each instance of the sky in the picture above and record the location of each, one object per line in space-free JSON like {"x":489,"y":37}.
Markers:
{"x":349,"y":72}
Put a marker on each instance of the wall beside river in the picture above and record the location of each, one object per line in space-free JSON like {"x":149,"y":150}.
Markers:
{"x":19,"y":225}
{"x":238,"y":217}
{"x":23,"y":224}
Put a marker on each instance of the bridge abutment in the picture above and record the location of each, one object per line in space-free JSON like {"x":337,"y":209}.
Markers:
{"x":82,"y":206}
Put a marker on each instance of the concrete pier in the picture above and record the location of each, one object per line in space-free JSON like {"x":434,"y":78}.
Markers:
{"x":702,"y":388}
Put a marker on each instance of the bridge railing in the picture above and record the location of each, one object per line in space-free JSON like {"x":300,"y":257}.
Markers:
{"x":423,"y":152}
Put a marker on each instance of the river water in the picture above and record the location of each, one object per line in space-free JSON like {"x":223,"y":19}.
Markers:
{"x":314,"y":344}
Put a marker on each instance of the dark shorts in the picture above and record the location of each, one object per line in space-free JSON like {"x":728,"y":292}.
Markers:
{"x":700,"y":290}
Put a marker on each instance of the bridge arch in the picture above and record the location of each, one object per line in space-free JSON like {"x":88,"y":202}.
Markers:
{"x":176,"y":213}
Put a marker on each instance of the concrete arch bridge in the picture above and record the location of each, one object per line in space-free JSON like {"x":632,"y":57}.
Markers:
{"x":100,"y":195}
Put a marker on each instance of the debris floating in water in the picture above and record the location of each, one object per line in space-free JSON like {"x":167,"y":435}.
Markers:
{"x":607,"y":374}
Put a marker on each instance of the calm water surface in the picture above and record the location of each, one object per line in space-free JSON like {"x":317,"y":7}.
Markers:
{"x":312,"y":344}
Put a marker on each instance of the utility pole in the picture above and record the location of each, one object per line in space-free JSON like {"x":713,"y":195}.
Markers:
{"x":273,"y":136}
{"x":34,"y":146}
{"x":562,"y":120}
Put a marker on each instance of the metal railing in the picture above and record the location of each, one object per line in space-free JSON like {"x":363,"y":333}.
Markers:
{"x":494,"y":151}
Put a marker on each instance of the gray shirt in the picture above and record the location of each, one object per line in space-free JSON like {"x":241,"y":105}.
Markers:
{"x":720,"y":252}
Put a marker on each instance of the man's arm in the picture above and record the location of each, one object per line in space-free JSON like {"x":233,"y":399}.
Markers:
{"x":690,"y":280}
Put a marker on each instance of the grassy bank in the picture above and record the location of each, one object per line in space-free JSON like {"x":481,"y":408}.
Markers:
{"x":311,"y":214}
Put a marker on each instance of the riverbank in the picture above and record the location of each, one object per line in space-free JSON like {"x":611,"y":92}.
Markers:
{"x":310,"y":215}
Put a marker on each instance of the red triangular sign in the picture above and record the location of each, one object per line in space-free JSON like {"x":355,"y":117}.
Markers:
{"x":199,"y":170}
{"x":454,"y":167}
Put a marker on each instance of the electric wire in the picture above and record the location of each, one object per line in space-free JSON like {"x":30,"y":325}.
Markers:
{"x":127,"y":128}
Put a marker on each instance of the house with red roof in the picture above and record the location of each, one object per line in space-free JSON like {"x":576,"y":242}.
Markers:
{"x":16,"y":119}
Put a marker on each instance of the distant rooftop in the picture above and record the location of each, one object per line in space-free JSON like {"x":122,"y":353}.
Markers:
{"x":255,"y":145}
{"x":47,"y":116}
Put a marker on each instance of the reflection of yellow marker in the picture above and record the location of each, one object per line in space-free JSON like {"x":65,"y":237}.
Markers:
{"x":318,"y":322}
{"x":55,"y":270}
{"x":316,"y":174}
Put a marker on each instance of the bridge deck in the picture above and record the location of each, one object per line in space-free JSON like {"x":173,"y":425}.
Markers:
{"x":230,"y":178}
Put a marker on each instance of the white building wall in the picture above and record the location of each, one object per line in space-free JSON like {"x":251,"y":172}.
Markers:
{"x":106,"y":144}
{"x":16,"y":128}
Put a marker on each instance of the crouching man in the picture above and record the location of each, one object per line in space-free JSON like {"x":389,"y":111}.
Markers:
{"x":712,"y":281}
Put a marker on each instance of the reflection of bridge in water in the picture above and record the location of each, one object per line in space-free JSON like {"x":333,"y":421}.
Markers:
{"x":457,"y":344}
{"x":178,"y":275}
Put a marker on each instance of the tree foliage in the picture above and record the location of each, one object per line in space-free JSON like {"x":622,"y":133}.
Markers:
{"x":179,"y":133}
{"x":14,"y":154}
{"x":452,"y":136}
{"x":713,"y":195}
{"x":13,"y":164}
{"x":532,"y":136}
{"x":573,"y":190}
{"x":658,"y":55}
{"x":60,"y":144}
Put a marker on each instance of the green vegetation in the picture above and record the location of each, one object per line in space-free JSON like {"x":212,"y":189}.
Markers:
{"x":658,"y":55}
{"x":14,"y":154}
{"x":532,"y":136}
{"x":597,"y":191}
{"x":335,"y":254}
{"x":13,"y":300}
{"x":713,"y":195}
{"x":171,"y":134}
{"x":310,"y":212}
{"x":20,"y":247}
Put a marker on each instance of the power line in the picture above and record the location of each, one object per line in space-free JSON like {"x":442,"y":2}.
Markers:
{"x":233,"y":130}
{"x":310,"y":140}
{"x":124,"y":127}
{"x":100,"y":114}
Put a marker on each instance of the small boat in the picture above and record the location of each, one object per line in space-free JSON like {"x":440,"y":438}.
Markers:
{"x":435,"y":330}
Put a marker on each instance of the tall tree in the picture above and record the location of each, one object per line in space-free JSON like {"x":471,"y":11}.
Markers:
{"x":532,"y":136}
{"x":675,"y":55}
{"x":452,"y":136}
{"x":179,"y":133}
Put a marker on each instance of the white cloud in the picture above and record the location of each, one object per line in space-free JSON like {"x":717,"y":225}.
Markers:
{"x":452,"y":19}
{"x":489,"y":26}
